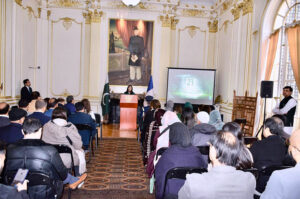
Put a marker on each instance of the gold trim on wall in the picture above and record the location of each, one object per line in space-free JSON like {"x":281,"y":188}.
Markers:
{"x":65,"y":92}
{"x":213,"y":26}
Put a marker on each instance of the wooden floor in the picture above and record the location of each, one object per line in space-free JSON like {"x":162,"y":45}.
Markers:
{"x":113,"y":131}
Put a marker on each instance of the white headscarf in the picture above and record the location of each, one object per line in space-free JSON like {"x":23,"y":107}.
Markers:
{"x":168,"y":119}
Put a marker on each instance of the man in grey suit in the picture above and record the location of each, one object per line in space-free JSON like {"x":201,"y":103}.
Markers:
{"x":223,"y":181}
{"x":285,"y":184}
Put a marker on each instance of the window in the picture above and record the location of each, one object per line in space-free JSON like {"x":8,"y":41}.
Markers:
{"x":282,"y":74}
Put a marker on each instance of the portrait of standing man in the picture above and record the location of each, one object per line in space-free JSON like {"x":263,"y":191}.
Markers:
{"x":136,"y":49}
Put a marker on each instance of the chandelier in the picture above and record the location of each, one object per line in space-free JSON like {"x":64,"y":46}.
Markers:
{"x":131,"y":3}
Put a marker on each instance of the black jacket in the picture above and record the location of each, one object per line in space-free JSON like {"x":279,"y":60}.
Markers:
{"x":36,"y":156}
{"x":9,"y":192}
{"x":268,"y":152}
{"x":4,"y":121}
{"x":26,"y":94}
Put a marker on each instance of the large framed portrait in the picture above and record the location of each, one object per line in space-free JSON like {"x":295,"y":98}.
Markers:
{"x":130,"y":52}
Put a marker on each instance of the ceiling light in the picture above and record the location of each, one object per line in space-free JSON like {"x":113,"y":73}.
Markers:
{"x":131,"y":3}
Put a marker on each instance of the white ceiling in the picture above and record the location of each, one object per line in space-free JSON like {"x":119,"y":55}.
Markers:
{"x":211,"y":2}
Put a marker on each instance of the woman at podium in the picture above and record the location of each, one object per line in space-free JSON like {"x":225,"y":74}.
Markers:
{"x":129,"y":90}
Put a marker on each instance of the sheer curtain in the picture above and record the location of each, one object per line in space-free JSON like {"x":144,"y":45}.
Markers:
{"x":273,"y":40}
{"x":293,"y":35}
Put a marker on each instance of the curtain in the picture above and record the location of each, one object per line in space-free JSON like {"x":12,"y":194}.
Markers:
{"x":293,"y":35}
{"x":125,"y":30}
{"x":273,"y":40}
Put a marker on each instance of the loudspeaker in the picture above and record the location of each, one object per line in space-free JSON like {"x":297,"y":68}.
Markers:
{"x":266,"y":89}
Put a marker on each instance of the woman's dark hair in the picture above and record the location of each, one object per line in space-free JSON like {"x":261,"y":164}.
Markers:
{"x":178,"y":108}
{"x":127,"y":90}
{"x":245,"y":160}
{"x":188,"y":116}
{"x":228,"y":148}
{"x":155,"y":104}
{"x":275,"y":125}
{"x":205,"y":108}
{"x":87,"y":105}
{"x":234,"y":128}
{"x":31,"y":125}
{"x":179,"y":135}
{"x":35,"y":95}
{"x":60,"y":112}
{"x":23,"y":103}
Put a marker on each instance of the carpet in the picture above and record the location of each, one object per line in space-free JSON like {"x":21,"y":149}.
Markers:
{"x":116,"y":171}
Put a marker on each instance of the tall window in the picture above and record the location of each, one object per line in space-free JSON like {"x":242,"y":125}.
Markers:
{"x":282,"y":74}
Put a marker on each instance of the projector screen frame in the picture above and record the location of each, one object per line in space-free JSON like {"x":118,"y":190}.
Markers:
{"x":214,"y":87}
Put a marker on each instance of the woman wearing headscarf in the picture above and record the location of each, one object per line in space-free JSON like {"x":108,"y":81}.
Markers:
{"x":180,"y":154}
{"x":148,"y":145}
{"x":215,"y":119}
{"x":161,"y":139}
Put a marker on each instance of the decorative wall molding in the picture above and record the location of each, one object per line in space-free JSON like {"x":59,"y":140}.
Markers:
{"x":65,"y":3}
{"x":170,"y":22}
{"x":213,"y":26}
{"x":247,"y":6}
{"x":92,"y":16}
{"x":236,"y":12}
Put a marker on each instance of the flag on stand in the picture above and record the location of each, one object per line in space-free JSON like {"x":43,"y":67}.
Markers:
{"x":105,"y":98}
{"x":150,"y":88}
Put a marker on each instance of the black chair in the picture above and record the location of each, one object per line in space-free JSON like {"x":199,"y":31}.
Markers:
{"x":65,"y":149}
{"x":81,"y":127}
{"x":99,"y":124}
{"x":204,"y":150}
{"x":160,"y":152}
{"x":36,"y":179}
{"x":249,"y":140}
{"x":254,"y":171}
{"x":180,"y":173}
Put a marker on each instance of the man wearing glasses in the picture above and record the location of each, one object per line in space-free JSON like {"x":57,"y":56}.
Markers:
{"x":286,"y":183}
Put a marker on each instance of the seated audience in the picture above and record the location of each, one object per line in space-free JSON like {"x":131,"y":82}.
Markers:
{"x":148,"y":145}
{"x":284,"y":184}
{"x":23,"y":104}
{"x":149,"y":117}
{"x":61,"y":102}
{"x":180,"y":154}
{"x":178,"y":110}
{"x":4,"y":120}
{"x":234,"y":128}
{"x":13,"y":132}
{"x":223,"y":180}
{"x":169,"y":105}
{"x":80,"y":117}
{"x":87,"y":107}
{"x":35,"y":155}
{"x":59,"y":131}
{"x":188,"y":105}
{"x":70,"y":105}
{"x":40,"y":108}
{"x":269,"y":151}
{"x":246,"y":158}
{"x":51,"y":106}
{"x":215,"y":119}
{"x":202,"y":132}
{"x":188,"y":116}
{"x":35,"y":95}
{"x":11,"y":192}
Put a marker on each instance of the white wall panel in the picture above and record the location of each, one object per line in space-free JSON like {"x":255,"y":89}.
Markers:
{"x":65,"y":57}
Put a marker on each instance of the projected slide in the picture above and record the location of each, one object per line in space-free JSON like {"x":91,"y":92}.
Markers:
{"x":191,"y":85}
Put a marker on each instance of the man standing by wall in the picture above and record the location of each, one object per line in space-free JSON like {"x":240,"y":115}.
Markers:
{"x":26,"y":90}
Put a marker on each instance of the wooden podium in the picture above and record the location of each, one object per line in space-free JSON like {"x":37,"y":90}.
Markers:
{"x":128,"y":112}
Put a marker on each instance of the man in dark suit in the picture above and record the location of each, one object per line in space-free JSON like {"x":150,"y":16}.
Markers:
{"x":80,"y":117}
{"x":136,"y":49}
{"x":13,"y":132}
{"x":40,"y":107}
{"x":26,"y":90}
{"x":4,"y":120}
